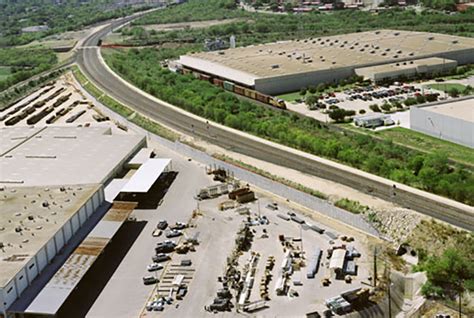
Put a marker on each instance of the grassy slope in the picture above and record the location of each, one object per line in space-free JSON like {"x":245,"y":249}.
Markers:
{"x":4,"y":72}
{"x":421,"y":141}
{"x":445,"y":87}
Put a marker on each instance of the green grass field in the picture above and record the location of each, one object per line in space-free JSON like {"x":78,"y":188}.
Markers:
{"x":290,"y":97}
{"x":446,"y":87}
{"x":4,"y":72}
{"x":427,"y":143}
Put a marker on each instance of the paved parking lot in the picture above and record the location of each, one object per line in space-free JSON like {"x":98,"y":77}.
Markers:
{"x":125,"y":294}
{"x":360,"y":100}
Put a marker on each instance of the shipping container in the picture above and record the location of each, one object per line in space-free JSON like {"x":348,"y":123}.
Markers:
{"x":246,"y":197}
{"x":284,"y":217}
{"x":205,"y":77}
{"x":250,"y":93}
{"x":261,"y":97}
{"x":317,"y":229}
{"x":228,"y":86}
{"x":233,"y":195}
{"x":239,"y":89}
{"x":218,"y":82}
{"x":313,"y":264}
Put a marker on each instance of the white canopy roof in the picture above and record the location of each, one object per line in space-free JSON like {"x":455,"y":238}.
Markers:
{"x":146,"y":175}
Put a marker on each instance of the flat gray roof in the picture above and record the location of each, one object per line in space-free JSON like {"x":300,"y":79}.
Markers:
{"x":245,"y":64}
{"x":62,"y":155}
{"x":19,"y":203}
{"x":461,"y":109}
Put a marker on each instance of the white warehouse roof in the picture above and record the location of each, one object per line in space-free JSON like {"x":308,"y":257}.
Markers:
{"x":146,"y":175}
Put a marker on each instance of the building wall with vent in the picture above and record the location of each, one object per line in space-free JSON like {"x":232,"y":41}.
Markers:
{"x":36,"y":265}
{"x":442,"y":126}
{"x":294,"y":82}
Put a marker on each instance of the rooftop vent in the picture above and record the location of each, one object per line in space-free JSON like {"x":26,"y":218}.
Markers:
{"x":351,"y":48}
{"x":377,"y":32}
{"x":399,"y":51}
{"x":455,"y":41}
{"x":45,"y":204}
{"x":411,"y":54}
{"x":395,"y":56}
{"x":431,"y":38}
{"x":275,"y":66}
{"x":387,"y":50}
{"x":396,"y":33}
{"x":411,"y":62}
{"x":221,"y":53}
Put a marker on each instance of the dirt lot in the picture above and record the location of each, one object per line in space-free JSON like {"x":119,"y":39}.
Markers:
{"x":75,"y":103}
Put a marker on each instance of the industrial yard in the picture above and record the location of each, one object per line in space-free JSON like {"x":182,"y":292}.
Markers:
{"x":272,"y":266}
{"x":59,"y":102}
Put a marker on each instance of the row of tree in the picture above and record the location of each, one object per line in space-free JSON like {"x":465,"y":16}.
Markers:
{"x":58,"y":16}
{"x":431,"y":172}
{"x":25,"y":63}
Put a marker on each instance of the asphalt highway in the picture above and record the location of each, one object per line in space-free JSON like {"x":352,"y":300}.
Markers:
{"x":90,"y":63}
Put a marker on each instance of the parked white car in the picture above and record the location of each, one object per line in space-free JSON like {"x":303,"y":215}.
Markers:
{"x":154,"y":267}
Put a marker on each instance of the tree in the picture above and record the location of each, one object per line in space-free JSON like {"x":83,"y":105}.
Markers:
{"x":375,"y":108}
{"x":288,"y":6}
{"x":453,"y":92}
{"x":447,"y":275}
{"x":311,"y":100}
{"x":303,"y":91}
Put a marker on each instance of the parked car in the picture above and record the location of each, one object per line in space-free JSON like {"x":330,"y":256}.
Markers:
{"x":182,"y":290}
{"x":173,"y":233}
{"x":158,"y":258}
{"x":178,"y":226}
{"x":165,"y":247}
{"x":186,"y":262}
{"x":148,"y":280}
{"x":156,"y":232}
{"x":154,"y":267}
{"x":162,"y":225}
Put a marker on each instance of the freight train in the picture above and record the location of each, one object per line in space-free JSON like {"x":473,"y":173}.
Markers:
{"x":232,"y":87}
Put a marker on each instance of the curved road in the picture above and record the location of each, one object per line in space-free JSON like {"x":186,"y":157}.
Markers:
{"x":438,"y":207}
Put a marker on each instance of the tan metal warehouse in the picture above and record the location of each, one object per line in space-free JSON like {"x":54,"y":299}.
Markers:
{"x":287,"y":66}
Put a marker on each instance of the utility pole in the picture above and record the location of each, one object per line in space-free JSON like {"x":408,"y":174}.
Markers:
{"x":375,"y":267}
{"x":460,"y":299}
{"x":389,"y":287}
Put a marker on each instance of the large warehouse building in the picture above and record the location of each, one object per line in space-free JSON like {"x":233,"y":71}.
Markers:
{"x":35,"y":224}
{"x":452,"y":121}
{"x":287,"y":66}
{"x":51,"y":192}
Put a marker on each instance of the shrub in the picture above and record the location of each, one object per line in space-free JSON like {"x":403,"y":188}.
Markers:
{"x":375,"y":108}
